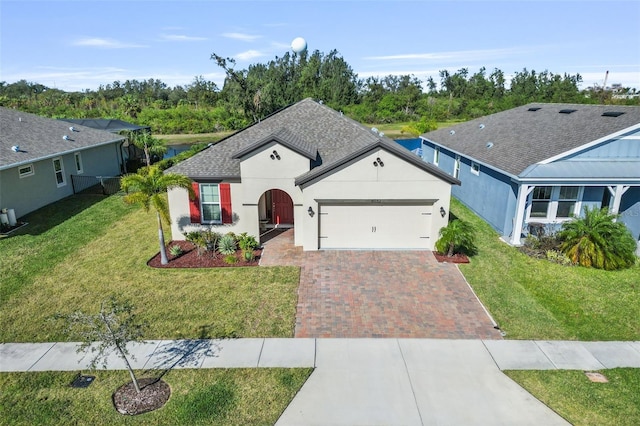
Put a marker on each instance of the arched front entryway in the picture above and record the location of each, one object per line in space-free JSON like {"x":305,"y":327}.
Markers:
{"x":275,"y":210}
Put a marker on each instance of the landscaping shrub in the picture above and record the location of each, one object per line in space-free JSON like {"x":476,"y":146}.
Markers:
{"x":175,"y":250}
{"x":457,"y":237}
{"x":596,"y":240}
{"x":227,"y":245}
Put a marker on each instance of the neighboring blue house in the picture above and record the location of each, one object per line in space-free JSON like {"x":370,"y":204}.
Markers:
{"x":537,"y":165}
{"x":40,"y":157}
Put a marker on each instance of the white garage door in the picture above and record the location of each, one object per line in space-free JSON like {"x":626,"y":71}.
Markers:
{"x":375,"y":226}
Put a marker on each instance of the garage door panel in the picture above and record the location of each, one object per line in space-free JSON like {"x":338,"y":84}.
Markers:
{"x":375,"y":226}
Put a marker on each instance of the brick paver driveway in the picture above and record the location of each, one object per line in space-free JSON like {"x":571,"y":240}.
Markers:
{"x":379,"y":294}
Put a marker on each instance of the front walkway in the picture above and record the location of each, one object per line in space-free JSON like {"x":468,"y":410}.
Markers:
{"x":346,"y":293}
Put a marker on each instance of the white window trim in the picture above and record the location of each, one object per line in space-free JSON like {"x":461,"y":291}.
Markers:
{"x":77,"y":157}
{"x":31,"y":171}
{"x":436,"y":155}
{"x":475,"y":168}
{"x":219,"y":204}
{"x":552,"y":210}
{"x":61,"y":171}
{"x":456,"y":167}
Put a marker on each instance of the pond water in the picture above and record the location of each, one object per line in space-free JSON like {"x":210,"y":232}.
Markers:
{"x":173,"y":150}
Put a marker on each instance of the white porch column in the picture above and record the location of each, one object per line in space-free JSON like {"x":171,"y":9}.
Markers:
{"x":523,"y":194}
{"x":616,"y":192}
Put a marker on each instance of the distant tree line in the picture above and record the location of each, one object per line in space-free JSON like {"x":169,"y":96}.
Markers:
{"x":250,"y":94}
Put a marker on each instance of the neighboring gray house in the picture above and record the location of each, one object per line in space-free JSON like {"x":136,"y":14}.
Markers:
{"x":338,"y":183}
{"x":537,"y":165}
{"x":38,"y":156}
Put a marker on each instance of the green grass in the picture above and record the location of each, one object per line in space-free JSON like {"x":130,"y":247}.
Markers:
{"x":76,"y":263}
{"x":537,"y":299}
{"x":53,"y":234}
{"x":582,"y":402}
{"x":198,"y":397}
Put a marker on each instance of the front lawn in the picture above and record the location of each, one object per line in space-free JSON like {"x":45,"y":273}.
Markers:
{"x":198,"y":397}
{"x":102,"y":249}
{"x":582,"y":402}
{"x":537,"y":299}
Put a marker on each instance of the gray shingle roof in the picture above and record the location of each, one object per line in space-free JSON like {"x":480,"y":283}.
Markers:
{"x":40,"y":138}
{"x":110,"y":125}
{"x":521,"y":137}
{"x":306,"y":126}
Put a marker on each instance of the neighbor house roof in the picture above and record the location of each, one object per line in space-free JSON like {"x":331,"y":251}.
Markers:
{"x":37,"y":138}
{"x":109,"y":125}
{"x":325,"y":136}
{"x":515,"y":139}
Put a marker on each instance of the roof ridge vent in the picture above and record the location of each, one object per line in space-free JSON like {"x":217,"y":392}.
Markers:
{"x":534,"y":109}
{"x":567,"y":111}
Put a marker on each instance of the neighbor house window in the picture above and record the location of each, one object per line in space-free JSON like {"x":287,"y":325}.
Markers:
{"x":436,"y":155}
{"x":25,"y":171}
{"x":567,"y":200}
{"x":540,"y":201}
{"x":475,"y":168}
{"x":78,"y":160}
{"x":58,"y":169}
{"x":456,"y":167}
{"x":554,"y":202}
{"x":210,"y":203}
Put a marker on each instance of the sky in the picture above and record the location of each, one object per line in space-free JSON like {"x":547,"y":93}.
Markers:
{"x":77,"y":45}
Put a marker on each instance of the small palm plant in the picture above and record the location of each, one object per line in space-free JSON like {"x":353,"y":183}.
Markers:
{"x":457,"y":237}
{"x":148,"y":188}
{"x":596,"y":240}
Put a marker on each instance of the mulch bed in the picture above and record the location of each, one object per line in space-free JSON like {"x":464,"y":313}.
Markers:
{"x":190,"y":258}
{"x":456,"y":258}
{"x":154,"y":393}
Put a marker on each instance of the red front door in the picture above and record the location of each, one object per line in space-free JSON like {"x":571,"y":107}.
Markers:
{"x":282,"y":207}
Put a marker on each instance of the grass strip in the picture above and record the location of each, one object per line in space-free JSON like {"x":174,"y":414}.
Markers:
{"x":198,"y":397}
{"x":538,"y":299}
{"x":583,"y":402}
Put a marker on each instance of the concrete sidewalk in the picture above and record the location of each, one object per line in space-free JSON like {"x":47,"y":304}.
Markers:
{"x":371,"y":381}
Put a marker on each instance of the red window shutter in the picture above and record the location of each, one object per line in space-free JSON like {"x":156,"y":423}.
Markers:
{"x":194,"y":205}
{"x":225,"y":202}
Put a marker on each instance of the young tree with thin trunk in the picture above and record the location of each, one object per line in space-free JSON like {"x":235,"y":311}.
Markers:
{"x":148,"y":188}
{"x":112,"y":328}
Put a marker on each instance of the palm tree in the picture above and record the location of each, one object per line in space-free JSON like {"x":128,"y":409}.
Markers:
{"x":148,"y":144}
{"x":597,"y":240}
{"x":457,"y":237}
{"x":147,"y":187}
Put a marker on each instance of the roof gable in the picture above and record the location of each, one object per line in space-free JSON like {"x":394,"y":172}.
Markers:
{"x":37,"y":138}
{"x":515,"y":139}
{"x":385,"y":145}
{"x":283,"y":137}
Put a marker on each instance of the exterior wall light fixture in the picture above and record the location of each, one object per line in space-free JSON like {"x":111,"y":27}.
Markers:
{"x":310,"y":211}
{"x":443,"y":212}
{"x":275,"y":155}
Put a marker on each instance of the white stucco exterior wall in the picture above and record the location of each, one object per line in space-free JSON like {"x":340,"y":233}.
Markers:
{"x":397,"y":180}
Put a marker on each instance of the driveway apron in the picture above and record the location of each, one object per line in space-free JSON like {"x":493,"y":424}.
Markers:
{"x":357,"y":294}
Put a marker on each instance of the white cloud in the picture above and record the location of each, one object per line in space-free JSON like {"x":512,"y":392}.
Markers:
{"x":462,"y":55}
{"x":249,"y":54}
{"x":241,"y":36}
{"x":180,"y":37}
{"x":105,"y":43}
